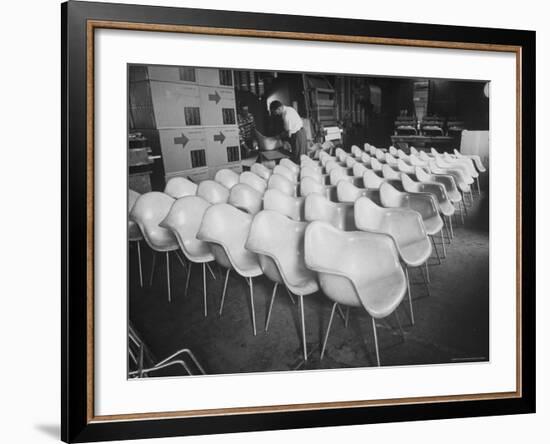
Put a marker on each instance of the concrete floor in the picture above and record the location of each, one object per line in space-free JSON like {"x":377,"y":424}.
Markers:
{"x":451,"y":325}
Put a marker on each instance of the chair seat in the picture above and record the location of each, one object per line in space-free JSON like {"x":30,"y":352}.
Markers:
{"x":134,"y":233}
{"x":416,"y":253}
{"x":382,"y":296}
{"x":446,"y":208}
{"x":197,"y":251}
{"x":433,"y":225}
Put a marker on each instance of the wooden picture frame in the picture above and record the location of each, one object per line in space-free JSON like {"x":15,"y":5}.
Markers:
{"x":79,"y":22}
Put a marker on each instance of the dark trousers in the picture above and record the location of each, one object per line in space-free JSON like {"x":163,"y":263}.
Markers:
{"x":299,"y":144}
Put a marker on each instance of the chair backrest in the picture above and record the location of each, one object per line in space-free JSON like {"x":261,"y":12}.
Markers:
{"x":434,"y":152}
{"x":330,"y":165}
{"x":347,"y":192}
{"x":372,"y":180}
{"x":390,"y":160}
{"x":414,"y":151}
{"x":366,"y":158}
{"x":372,"y":150}
{"x":310,"y":185}
{"x":356,"y":151}
{"x":281,"y":183}
{"x":184,"y":220}
{"x":226,"y":229}
{"x":350,"y":161}
{"x":404,"y":167}
{"x":389,"y":172}
{"x":338,"y":174}
{"x":340,"y":215}
{"x":326,"y":159}
{"x":349,"y":261}
{"x":287,"y":163}
{"x":341,"y":154}
{"x":401,"y":154}
{"x":375,"y":164}
{"x":308,"y":171}
{"x":359,"y":170}
{"x":380,"y":155}
{"x":180,"y":187}
{"x":285,"y":172}
{"x":279,"y":242}
{"x":227,"y":178}
{"x":253,"y":181}
{"x":292,"y":207}
{"x":393,"y":150}
{"x":409,"y":185}
{"x":422,"y":175}
{"x":261,"y":171}
{"x":416,"y":161}
{"x":246,"y":198}
{"x":214,"y":192}
{"x":390,"y":196}
{"x":148,"y":212}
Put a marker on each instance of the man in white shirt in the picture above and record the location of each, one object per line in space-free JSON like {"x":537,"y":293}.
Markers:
{"x":294,"y":128}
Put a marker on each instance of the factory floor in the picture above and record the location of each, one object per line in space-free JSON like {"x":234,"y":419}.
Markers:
{"x":451,"y":324}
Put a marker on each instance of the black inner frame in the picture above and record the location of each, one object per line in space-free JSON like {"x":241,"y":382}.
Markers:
{"x":74,"y":424}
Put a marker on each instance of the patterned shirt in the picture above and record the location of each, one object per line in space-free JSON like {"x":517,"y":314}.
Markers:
{"x":246,"y":128}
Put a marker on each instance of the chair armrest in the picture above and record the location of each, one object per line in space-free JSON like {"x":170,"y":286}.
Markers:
{"x":424,"y":203}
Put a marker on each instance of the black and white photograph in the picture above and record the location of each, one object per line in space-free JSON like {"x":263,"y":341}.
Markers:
{"x":286,"y":221}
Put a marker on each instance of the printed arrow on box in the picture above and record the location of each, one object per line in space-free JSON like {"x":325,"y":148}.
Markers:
{"x":219,"y":137}
{"x":181,"y":140}
{"x":214,"y":97}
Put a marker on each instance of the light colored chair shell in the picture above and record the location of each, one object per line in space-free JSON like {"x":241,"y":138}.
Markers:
{"x":347,"y":192}
{"x":390,"y":160}
{"x":356,"y":269}
{"x":375,"y":165}
{"x":437,"y":190}
{"x":309,"y":186}
{"x":339,"y":214}
{"x":285,"y":172}
{"x":405,"y":167}
{"x":393,"y":151}
{"x":314,"y":174}
{"x":281,"y":183}
{"x":227,"y":178}
{"x":359,"y":170}
{"x":226,"y":229}
{"x":372,"y":180}
{"x":214,"y":192}
{"x":476,"y":158}
{"x":446,"y":180}
{"x":177,"y":187}
{"x":289,"y":164}
{"x":366,"y":159}
{"x":413,"y":151}
{"x":292,"y":207}
{"x":261,"y":171}
{"x":380,"y":155}
{"x":246,"y":198}
{"x":254,"y":181}
{"x":389,"y":173}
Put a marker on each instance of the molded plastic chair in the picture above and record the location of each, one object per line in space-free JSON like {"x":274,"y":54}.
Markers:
{"x":292,"y":207}
{"x":246,"y":198}
{"x":417,"y":161}
{"x":404,"y":226}
{"x":356,"y":151}
{"x":254,"y":181}
{"x":424,"y":203}
{"x":460,"y":179}
{"x":405,"y":167}
{"x":313,"y":173}
{"x":339,"y":214}
{"x":366,"y":159}
{"x":226,"y":229}
{"x":393,"y":151}
{"x":375,"y":165}
{"x":372,"y":150}
{"x":330,"y":165}
{"x":467,"y":163}
{"x":279,"y":243}
{"x":391,"y":161}
{"x":261,"y":171}
{"x":372,"y":180}
{"x":213,"y":191}
{"x":347,"y":192}
{"x":326,"y":159}
{"x":281,"y":183}
{"x":441,"y":162}
{"x":227,"y":178}
{"x":413,"y":151}
{"x":310,"y":185}
{"x":148,"y":212}
{"x":184,"y":220}
{"x":402,"y":155}
{"x":380,"y":155}
{"x":134,"y":233}
{"x":389,"y":173}
{"x":359,"y":170}
{"x":338,"y":174}
{"x":356,"y":269}
{"x":350,"y":161}
{"x":285,"y":172}
{"x":477,"y":160}
{"x":177,"y":187}
{"x":289,"y":164}
{"x":340,"y":154}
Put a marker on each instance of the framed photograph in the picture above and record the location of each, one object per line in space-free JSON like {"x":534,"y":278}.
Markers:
{"x":275,"y":221}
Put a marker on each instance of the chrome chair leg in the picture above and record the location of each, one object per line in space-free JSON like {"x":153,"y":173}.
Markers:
{"x":399,"y":325}
{"x":224,"y":290}
{"x":436,"y":251}
{"x":328,"y":329}
{"x":346,"y":321}
{"x":168,"y":274}
{"x":153,"y":268}
{"x":252,"y":305}
{"x":181,"y":260}
{"x":273,"y":294}
{"x":409,"y":293}
{"x":451,"y":227}
{"x":290,"y":295}
{"x":478,"y":187}
{"x":303,"y":326}
{"x":187,"y":279}
{"x":210,"y":270}
{"x":443,"y":244}
{"x":376,"y":341}
{"x":426,"y":280}
{"x":139,"y":263}
{"x":427,"y":271}
{"x":204,"y":289}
